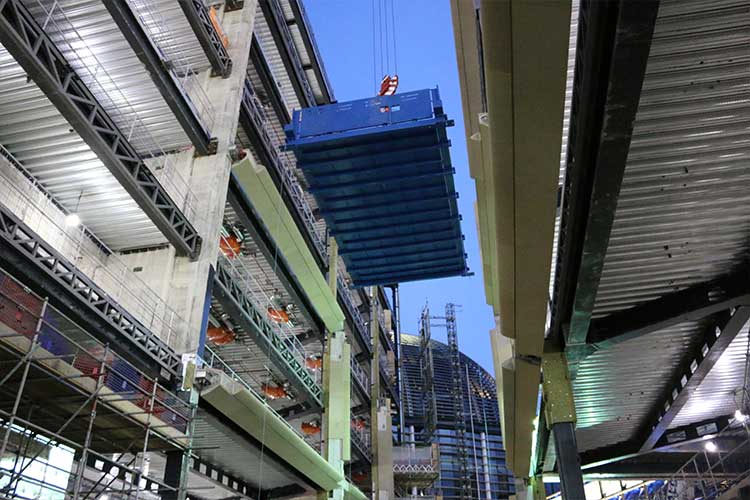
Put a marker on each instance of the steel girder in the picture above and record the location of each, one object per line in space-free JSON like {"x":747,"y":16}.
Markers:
{"x":234,"y":300}
{"x":39,"y":57}
{"x":276,"y":20}
{"x":162,"y":76}
{"x":689,"y":304}
{"x":694,"y":370}
{"x":198,"y":16}
{"x":47,"y":262}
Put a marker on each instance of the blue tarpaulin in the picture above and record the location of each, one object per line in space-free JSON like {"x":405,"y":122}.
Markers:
{"x":381,"y":173}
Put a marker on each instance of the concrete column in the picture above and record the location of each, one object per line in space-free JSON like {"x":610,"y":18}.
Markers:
{"x":337,"y":404}
{"x":380,"y":417}
{"x":181,"y":281}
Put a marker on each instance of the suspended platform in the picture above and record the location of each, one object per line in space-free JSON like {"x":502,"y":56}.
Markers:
{"x":381,"y":173}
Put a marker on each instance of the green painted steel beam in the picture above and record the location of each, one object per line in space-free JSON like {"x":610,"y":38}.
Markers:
{"x":261,"y":422}
{"x":273,"y":214}
{"x":242,"y":309}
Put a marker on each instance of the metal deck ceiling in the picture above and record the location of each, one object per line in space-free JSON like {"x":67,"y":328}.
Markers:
{"x":683,"y":215}
{"x":44,"y":142}
{"x":91,"y":41}
{"x":617,"y":388}
{"x":682,"y":218}
{"x":381,"y":173}
{"x":38,"y":136}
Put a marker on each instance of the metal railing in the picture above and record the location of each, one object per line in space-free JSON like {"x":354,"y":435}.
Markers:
{"x":409,"y":458}
{"x":31,"y":203}
{"x":185,"y":71}
{"x":346,"y":293}
{"x":247,"y":282}
{"x":280,"y":164}
{"x":214,"y":361}
{"x":709,"y":473}
{"x":280,"y":20}
{"x":63,"y":341}
{"x":359,"y":373}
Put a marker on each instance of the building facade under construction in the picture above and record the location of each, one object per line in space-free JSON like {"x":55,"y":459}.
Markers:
{"x":469,"y":438}
{"x":183,"y":311}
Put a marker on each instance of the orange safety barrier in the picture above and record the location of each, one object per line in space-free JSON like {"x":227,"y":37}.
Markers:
{"x":230,"y":246}
{"x":274,"y":391}
{"x":278,"y":315}
{"x":219,"y":335}
{"x":314,"y":362}
{"x":310,"y":428}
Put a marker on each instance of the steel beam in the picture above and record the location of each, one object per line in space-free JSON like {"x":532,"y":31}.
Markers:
{"x":615,"y":40}
{"x":253,"y":122}
{"x":568,"y":461}
{"x":389,"y":204}
{"x":399,"y":278}
{"x":380,"y":227}
{"x":395,"y":246}
{"x":162,"y":76}
{"x":312,"y":50}
{"x":254,"y":322}
{"x":395,"y":191}
{"x":198,"y":16}
{"x":390,"y":168}
{"x":388,"y":216}
{"x":392,"y":238}
{"x":30,"y":46}
{"x":53,"y":274}
{"x":690,"y":304}
{"x":269,"y":83}
{"x":379,"y":160}
{"x":282,"y":36}
{"x":694,"y":371}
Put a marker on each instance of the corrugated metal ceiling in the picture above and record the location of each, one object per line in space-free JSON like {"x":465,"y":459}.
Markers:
{"x":683,"y":215}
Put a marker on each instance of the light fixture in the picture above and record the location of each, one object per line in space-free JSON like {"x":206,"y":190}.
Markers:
{"x":711,"y":446}
{"x":740,"y":417}
{"x":72,"y":220}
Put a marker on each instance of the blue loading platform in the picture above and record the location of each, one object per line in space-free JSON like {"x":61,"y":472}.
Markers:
{"x":381,"y":173}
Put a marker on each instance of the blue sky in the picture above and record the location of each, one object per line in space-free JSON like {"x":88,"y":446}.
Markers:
{"x":426,"y":57}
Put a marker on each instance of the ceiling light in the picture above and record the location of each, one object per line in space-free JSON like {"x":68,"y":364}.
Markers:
{"x":740,"y":417}
{"x":72,"y":220}
{"x":711,"y":446}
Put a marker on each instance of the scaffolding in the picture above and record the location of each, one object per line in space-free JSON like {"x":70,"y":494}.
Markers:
{"x":429,"y":406}
{"x":76,"y":419}
{"x":457,"y":394}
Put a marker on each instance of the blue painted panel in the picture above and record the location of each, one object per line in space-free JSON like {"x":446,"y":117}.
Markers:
{"x":381,"y":173}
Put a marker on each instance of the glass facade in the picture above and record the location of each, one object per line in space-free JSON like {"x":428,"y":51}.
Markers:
{"x":488,"y":476}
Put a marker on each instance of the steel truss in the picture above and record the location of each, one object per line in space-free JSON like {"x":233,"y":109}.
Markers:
{"x":234,"y":300}
{"x":197,"y":15}
{"x":51,"y":264}
{"x":37,"y":54}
